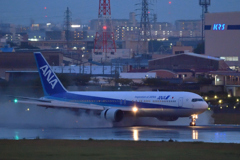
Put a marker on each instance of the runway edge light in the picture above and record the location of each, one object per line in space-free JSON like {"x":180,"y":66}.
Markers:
{"x":15,"y":100}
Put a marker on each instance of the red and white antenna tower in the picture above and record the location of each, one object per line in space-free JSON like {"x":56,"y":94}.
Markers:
{"x":104,"y":39}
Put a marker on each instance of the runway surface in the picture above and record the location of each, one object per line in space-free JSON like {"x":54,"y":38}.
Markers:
{"x":209,"y":133}
{"x":21,"y":122}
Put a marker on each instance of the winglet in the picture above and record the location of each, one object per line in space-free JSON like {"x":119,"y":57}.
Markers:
{"x":50,"y":82}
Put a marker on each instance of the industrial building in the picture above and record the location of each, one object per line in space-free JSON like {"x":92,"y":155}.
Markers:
{"x":23,"y":60}
{"x":190,"y":64}
{"x":107,"y":57}
{"x":222,"y":37}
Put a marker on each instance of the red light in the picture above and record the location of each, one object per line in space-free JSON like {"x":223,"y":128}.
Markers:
{"x":148,"y":12}
{"x":45,"y":7}
{"x":104,"y":27}
{"x":170,"y":2}
{"x":46,"y":16}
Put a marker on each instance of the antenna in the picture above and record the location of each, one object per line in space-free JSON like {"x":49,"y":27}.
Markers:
{"x":104,"y":40}
{"x":204,"y":4}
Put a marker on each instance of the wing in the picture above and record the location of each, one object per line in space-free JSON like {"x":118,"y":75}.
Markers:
{"x":48,"y":103}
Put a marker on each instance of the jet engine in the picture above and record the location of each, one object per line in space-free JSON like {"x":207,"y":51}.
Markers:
{"x":112,"y":114}
{"x":167,"y":118}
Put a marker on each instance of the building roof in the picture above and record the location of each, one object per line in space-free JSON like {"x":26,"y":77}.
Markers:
{"x":225,"y":73}
{"x":6,"y":48}
{"x":191,"y":54}
{"x":138,"y":75}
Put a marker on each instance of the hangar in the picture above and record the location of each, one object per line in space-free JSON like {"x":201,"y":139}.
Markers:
{"x":190,"y":61}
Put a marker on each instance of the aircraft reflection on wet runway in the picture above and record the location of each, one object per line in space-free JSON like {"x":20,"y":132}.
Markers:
{"x":212,"y":133}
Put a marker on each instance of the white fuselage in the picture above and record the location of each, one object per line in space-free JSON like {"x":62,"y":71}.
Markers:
{"x":149,"y":104}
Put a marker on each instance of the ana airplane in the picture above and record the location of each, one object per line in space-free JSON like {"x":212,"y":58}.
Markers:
{"x":114,"y":106}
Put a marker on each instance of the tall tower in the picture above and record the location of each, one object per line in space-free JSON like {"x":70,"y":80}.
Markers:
{"x":104,"y":40}
{"x":144,"y":28}
{"x":67,"y":24}
{"x":204,"y":4}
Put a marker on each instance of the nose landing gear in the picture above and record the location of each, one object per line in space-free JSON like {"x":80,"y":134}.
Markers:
{"x":193,"y":122}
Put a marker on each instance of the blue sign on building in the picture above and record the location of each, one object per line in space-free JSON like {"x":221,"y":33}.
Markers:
{"x":219,"y":27}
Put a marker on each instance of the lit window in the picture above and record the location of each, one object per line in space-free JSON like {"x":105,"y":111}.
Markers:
{"x":234,"y":58}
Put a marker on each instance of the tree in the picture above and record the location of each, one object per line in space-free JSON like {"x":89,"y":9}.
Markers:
{"x":200,"y":48}
{"x":12,"y":44}
{"x":204,"y":80}
{"x":124,"y":81}
{"x":108,"y":80}
{"x":26,"y":45}
{"x":96,"y":80}
{"x":154,"y":82}
{"x":81,"y":79}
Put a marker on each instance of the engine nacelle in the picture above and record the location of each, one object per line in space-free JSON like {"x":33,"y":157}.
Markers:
{"x":112,"y":114}
{"x":167,"y":118}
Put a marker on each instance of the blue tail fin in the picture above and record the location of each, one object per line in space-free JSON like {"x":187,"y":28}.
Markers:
{"x":50,"y":82}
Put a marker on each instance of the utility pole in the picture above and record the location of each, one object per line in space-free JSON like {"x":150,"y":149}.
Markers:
{"x":144,"y":28}
{"x":67,"y":25}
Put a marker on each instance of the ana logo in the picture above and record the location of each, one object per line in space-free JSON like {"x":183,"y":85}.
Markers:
{"x":48,"y":73}
{"x":163,"y":97}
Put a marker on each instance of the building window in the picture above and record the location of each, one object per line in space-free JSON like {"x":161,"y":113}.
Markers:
{"x":235,"y":58}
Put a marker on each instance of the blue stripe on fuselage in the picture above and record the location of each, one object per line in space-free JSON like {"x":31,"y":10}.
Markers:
{"x":77,"y":98}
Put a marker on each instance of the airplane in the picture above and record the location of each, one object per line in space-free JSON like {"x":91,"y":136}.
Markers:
{"x":115,"y":105}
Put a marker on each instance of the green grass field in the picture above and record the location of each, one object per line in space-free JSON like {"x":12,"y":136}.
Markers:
{"x":95,"y":149}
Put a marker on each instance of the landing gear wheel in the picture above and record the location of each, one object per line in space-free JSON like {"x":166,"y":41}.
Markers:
{"x":193,"y":122}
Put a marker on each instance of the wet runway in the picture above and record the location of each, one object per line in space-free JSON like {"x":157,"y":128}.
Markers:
{"x":20,"y":122}
{"x":209,"y":133}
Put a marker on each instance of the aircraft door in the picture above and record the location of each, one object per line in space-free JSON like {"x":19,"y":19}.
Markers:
{"x":180,"y":102}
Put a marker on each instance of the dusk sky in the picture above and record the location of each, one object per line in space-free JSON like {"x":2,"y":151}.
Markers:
{"x":21,"y":11}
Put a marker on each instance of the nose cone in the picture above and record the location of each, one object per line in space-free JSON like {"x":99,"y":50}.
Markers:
{"x":201,"y":106}
{"x":205,"y":106}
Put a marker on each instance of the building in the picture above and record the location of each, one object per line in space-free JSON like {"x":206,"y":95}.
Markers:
{"x":23,"y":60}
{"x":187,"y":63}
{"x":179,"y":48}
{"x":55,"y":35}
{"x":188,"y":25}
{"x":230,"y":80}
{"x":222,"y":37}
{"x":7,"y":28}
{"x":188,"y":28}
{"x":107,"y":57}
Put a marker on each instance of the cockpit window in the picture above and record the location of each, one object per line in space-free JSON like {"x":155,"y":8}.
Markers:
{"x":196,"y":99}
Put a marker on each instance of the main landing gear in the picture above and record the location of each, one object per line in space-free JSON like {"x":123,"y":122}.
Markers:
{"x":193,"y":122}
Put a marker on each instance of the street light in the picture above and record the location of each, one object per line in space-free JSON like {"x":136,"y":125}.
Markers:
{"x":220,"y":101}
